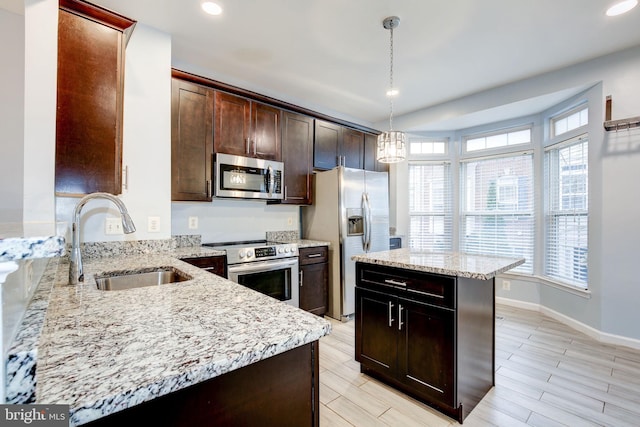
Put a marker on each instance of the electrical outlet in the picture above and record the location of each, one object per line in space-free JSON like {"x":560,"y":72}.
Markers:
{"x":193,"y":222}
{"x":153,"y":224}
{"x":113,"y":226}
{"x":289,"y":221}
{"x":506,"y":285}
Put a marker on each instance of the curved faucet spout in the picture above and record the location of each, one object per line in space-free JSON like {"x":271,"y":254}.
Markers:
{"x":76,"y":273}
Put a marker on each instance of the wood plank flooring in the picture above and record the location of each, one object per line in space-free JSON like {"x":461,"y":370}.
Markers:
{"x":547,"y":375}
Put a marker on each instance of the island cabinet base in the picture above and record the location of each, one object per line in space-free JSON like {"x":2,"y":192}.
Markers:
{"x":428,"y":335}
{"x":282,"y":390}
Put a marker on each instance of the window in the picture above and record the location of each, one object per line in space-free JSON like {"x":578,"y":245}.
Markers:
{"x":498,"y":140}
{"x":497,"y":208}
{"x":430,"y":216}
{"x":566,"y":190}
{"x":418,"y":147}
{"x":570,"y":120}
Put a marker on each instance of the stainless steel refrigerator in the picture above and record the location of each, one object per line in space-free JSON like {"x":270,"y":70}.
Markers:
{"x":351,"y":211}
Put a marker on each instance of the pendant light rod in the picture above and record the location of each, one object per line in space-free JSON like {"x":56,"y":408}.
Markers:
{"x":390,"y":23}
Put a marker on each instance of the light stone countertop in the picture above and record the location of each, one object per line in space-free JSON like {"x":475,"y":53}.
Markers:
{"x":102,"y":352}
{"x":446,"y":263}
{"x":24,"y":241}
{"x":306,"y":243}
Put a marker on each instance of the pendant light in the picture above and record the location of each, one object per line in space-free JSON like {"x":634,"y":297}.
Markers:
{"x":391,"y":146}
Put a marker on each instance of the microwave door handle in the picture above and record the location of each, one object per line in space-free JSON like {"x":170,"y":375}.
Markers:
{"x":272,"y":180}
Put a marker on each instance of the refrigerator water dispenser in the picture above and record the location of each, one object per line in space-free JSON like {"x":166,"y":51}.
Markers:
{"x":355,"y":222}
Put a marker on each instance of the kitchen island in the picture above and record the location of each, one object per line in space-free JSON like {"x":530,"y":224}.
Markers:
{"x":425,"y":324}
{"x":114,"y":353}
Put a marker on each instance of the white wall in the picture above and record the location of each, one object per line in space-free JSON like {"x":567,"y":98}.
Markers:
{"x":232,"y":220}
{"x":146,"y":144}
{"x":11,"y":116}
{"x":614,"y":236}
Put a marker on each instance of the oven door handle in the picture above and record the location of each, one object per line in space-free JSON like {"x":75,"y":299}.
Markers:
{"x":262,"y":266}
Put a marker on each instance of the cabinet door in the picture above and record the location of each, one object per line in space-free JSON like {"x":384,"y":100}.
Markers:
{"x":370,"y":152}
{"x":314,"y":281}
{"x":376,"y":331}
{"x":265,"y":131}
{"x":426,"y":356}
{"x":89,"y":99}
{"x":191,"y":141}
{"x":327,"y":141}
{"x":297,"y":155}
{"x":232,"y":120}
{"x":352,"y":148}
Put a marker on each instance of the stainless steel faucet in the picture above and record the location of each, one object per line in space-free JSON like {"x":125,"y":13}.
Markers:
{"x":76,"y":273}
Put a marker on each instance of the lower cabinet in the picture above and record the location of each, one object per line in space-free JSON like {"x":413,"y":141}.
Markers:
{"x":428,"y":335}
{"x":314,"y":279}
{"x":213,"y":264}
{"x":282,"y":390}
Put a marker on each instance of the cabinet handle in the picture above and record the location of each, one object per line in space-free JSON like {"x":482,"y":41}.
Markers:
{"x":255,"y":148}
{"x":285,"y":192}
{"x":248,"y":145}
{"x":400,"y":322}
{"x":301,"y":277}
{"x":314,"y":255}
{"x":390,"y":314}
{"x":395,"y":282}
{"x":209,"y":188}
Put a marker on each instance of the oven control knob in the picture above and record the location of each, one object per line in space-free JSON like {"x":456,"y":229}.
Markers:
{"x":241,"y":254}
{"x":280,"y":250}
{"x":286,"y":249}
{"x":249,"y":254}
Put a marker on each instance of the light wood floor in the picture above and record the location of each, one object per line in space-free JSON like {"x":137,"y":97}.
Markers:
{"x":547,"y":374}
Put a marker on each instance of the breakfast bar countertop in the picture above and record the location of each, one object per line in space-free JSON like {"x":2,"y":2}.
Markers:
{"x":447,"y":263}
{"x":104,"y":351}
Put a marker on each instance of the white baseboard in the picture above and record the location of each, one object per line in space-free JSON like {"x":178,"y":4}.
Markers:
{"x":594,"y":333}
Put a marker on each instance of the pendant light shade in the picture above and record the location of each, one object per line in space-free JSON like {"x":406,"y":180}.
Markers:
{"x":391,"y":146}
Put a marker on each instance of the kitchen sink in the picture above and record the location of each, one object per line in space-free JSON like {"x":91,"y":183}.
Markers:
{"x":118,"y":281}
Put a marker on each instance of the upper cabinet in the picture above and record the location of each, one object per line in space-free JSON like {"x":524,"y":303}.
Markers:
{"x":191,"y":141}
{"x":246,"y":128}
{"x":297,"y":155}
{"x":91,"y":47}
{"x":370,"y":149}
{"x":337,"y":145}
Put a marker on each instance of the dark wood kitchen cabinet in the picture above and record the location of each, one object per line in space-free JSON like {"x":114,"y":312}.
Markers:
{"x":246,"y":128}
{"x":282,"y":390}
{"x":297,"y":155}
{"x":429,"y":335}
{"x":370,"y":151}
{"x":314,"y":279}
{"x":89,"y":110}
{"x":191,"y":141}
{"x":213,"y":264}
{"x":336,"y":145}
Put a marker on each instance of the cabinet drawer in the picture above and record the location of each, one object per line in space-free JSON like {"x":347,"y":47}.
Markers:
{"x":431,"y":288}
{"x":213,"y":264}
{"x":313,"y":255}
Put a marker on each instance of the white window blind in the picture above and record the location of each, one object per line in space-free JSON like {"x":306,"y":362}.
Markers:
{"x":566,"y":189}
{"x":430,"y":216}
{"x":497,"y":208}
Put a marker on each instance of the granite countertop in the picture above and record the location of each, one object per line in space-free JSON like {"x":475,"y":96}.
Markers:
{"x":23,"y":241}
{"x":102,"y":352}
{"x":447,"y":263}
{"x":306,"y":243}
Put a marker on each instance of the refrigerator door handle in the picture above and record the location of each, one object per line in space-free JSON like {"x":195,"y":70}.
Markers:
{"x":367,"y":221}
{"x":365,"y":224}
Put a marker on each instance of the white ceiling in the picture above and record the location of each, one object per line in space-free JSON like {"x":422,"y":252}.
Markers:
{"x":333,"y":55}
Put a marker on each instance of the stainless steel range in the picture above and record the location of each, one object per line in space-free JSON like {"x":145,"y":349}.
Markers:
{"x":269,"y":268}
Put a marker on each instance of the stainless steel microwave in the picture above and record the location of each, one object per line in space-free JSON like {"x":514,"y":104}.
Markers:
{"x":248,"y":178}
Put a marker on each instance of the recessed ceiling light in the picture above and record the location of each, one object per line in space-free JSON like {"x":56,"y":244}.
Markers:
{"x":211,"y":8}
{"x":621,"y":7}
